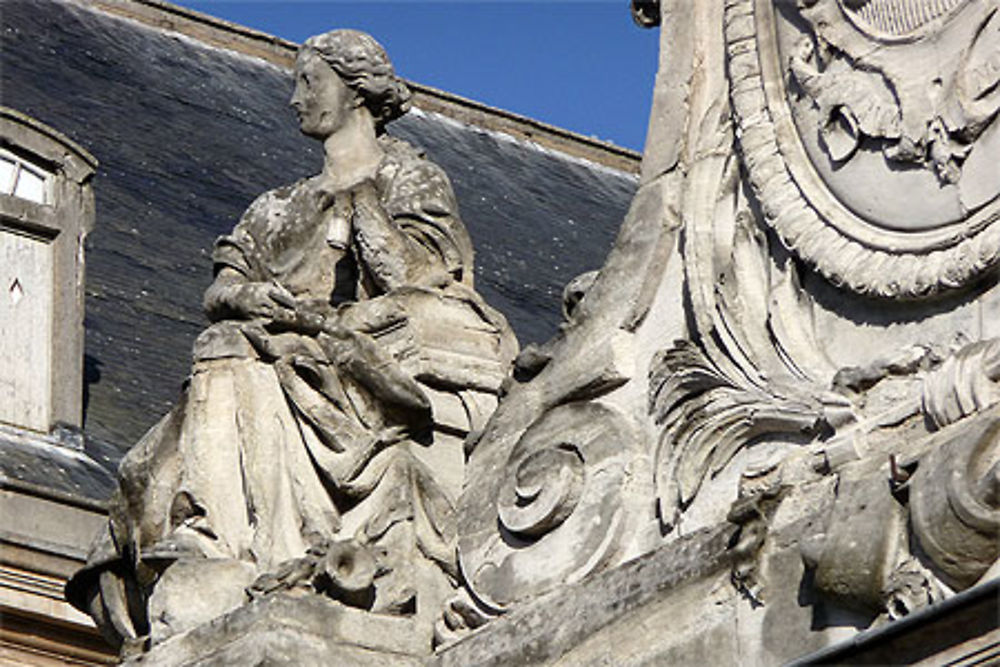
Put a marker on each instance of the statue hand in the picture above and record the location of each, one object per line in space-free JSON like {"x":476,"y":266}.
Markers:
{"x":269,"y":301}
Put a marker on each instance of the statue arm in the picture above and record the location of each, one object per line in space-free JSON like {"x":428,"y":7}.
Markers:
{"x":237,"y":293}
{"x":232,"y":296}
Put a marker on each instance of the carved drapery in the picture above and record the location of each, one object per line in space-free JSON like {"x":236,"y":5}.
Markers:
{"x":317,"y":448}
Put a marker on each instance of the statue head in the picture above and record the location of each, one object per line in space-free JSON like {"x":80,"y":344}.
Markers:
{"x":362,"y":66}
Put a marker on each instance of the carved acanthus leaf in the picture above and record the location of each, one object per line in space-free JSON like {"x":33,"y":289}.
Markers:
{"x":708,"y":417}
{"x":751,"y":367}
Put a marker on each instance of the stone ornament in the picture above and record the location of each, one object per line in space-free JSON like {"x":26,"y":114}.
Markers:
{"x":843,"y":107}
{"x":786,"y":330}
{"x":707,"y":417}
{"x":559,"y":504}
{"x":955,"y":497}
{"x":892,"y":546}
{"x":753,"y":368}
{"x":955,"y":504}
{"x":754,"y":412}
{"x":966,"y":383}
{"x":317,"y":447}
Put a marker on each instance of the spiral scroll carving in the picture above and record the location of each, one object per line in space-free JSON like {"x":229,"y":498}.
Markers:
{"x":559,"y":509}
{"x":543,"y":491}
{"x":955,"y":502}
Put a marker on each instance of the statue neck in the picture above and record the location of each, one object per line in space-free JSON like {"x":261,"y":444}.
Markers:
{"x":352,"y":153}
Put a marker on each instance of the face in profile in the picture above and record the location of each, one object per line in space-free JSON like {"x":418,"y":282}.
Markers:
{"x":322,"y":101}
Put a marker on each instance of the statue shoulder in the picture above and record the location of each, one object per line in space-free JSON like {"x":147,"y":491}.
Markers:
{"x":274,"y":202}
{"x":411,"y":181}
{"x":238,"y":249}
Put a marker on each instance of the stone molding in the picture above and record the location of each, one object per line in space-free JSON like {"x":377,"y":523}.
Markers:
{"x":845,"y":248}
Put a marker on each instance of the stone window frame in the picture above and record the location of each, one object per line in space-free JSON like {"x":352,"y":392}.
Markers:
{"x":63,"y":219}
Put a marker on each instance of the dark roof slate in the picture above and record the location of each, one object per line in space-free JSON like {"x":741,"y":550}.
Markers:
{"x":187,"y":135}
{"x":62,"y":464}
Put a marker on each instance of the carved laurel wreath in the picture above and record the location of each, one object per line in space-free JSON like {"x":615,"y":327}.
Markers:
{"x":851,"y":253}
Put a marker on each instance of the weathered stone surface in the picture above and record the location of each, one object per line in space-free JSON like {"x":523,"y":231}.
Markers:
{"x":304,"y":454}
{"x":286,"y":630}
{"x":605,"y":605}
{"x":813,"y":260}
{"x":556,"y":502}
{"x":955,"y":501}
{"x":766,"y":426}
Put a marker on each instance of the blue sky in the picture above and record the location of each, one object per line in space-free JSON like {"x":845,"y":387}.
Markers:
{"x":579,"y":64}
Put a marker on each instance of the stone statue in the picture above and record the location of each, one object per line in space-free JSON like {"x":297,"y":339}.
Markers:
{"x":318,"y":443}
{"x":776,"y":407}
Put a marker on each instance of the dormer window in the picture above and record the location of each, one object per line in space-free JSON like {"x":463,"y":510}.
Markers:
{"x":46,"y":209}
{"x":20,"y":178}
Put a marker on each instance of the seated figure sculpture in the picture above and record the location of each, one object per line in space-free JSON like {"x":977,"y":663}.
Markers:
{"x":309,"y":449}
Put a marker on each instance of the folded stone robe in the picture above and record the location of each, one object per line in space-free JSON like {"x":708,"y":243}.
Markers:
{"x":292,"y":434}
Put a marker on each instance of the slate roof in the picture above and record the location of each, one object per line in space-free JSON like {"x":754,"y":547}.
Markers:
{"x":188,"y":134}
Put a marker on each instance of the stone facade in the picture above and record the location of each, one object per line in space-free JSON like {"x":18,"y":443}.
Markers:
{"x":765,"y":432}
{"x":782,"y":385}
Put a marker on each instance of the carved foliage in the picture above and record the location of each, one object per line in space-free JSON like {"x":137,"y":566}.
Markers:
{"x":752,"y":367}
{"x":707,"y":418}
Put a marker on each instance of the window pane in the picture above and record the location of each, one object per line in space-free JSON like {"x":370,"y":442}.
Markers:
{"x":30,"y":186}
{"x":6,"y":176}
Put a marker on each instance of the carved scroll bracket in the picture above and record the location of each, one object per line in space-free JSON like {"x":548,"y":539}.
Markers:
{"x":561,"y":508}
{"x":955,"y":502}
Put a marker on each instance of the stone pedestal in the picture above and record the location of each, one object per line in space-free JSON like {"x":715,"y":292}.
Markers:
{"x":292,"y":630}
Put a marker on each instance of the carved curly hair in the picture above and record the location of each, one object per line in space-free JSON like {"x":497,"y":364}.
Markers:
{"x":364,"y":66}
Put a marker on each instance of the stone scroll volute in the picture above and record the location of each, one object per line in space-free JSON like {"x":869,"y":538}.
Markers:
{"x":556,"y":511}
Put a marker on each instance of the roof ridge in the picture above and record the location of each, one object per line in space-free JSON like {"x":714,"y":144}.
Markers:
{"x":220,"y":33}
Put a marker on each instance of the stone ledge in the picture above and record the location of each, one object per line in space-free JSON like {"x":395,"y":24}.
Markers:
{"x":541,"y":631}
{"x":292,"y":630}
